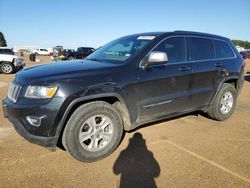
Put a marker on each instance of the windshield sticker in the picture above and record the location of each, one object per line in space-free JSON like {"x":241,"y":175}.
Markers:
{"x":146,"y":37}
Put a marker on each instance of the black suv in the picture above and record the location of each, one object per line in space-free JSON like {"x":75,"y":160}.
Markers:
{"x":81,"y":53}
{"x":137,"y":79}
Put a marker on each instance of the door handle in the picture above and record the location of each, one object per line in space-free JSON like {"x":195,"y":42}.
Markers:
{"x":184,"y":68}
{"x":218,"y":65}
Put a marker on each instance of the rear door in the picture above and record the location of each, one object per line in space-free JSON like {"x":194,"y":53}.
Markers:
{"x":164,"y":89}
{"x":205,"y":71}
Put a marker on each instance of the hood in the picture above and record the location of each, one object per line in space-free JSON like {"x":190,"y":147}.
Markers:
{"x":60,"y":70}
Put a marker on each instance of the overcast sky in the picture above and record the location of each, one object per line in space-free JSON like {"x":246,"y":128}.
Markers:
{"x":74,"y":23}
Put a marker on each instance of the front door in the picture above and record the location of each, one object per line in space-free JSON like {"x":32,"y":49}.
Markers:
{"x":164,"y":89}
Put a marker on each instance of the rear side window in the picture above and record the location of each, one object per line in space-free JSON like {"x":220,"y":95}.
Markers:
{"x":6,"y":51}
{"x":175,"y":48}
{"x":84,"y":50}
{"x":201,"y":49}
{"x":222,"y":49}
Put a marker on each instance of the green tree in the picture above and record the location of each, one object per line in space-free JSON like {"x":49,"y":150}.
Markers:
{"x":3,"y":42}
{"x":241,"y":43}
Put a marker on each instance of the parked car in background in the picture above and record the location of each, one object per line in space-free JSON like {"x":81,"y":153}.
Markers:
{"x":26,"y":51}
{"x":6,"y":51}
{"x":41,"y":51}
{"x":245,"y":54}
{"x":134,"y":80}
{"x":9,"y":62}
{"x":80,"y":53}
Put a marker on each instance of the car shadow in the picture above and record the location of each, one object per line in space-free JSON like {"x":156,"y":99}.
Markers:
{"x":136,"y":164}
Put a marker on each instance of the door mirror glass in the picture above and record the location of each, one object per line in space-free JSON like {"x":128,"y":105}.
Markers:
{"x":157,"y":57}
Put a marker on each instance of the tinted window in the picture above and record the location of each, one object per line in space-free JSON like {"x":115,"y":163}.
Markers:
{"x":201,"y":49}
{"x":222,"y":49}
{"x":121,"y":49}
{"x":85,"y":50}
{"x":90,"y":50}
{"x":6,"y":51}
{"x":175,"y":48}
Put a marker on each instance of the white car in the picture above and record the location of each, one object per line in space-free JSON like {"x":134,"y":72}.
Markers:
{"x":9,"y":62}
{"x":41,"y":51}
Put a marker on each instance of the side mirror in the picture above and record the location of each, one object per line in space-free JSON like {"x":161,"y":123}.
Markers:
{"x":157,"y":58}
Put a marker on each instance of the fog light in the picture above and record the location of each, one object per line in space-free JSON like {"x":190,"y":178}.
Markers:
{"x":35,"y":121}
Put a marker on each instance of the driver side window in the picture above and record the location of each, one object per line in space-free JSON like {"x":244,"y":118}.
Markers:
{"x":175,"y":47}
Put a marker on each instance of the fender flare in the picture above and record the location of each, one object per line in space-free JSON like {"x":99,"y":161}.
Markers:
{"x":220,"y":85}
{"x":82,"y":99}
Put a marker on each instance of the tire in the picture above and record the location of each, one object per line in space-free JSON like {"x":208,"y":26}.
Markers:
{"x":71,"y":58}
{"x":100,"y":128}
{"x":17,"y":69}
{"x":7,"y":68}
{"x":224,"y":103}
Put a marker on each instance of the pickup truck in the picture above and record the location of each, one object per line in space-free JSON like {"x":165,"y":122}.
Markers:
{"x":81,"y":53}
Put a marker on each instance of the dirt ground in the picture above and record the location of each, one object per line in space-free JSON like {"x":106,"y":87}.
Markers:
{"x":189,"y":151}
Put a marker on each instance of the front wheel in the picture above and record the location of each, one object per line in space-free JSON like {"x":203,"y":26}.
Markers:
{"x":224,"y":103}
{"x":93,"y":131}
{"x":7,"y":68}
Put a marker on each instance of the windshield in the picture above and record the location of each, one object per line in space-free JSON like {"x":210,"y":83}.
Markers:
{"x":121,"y":49}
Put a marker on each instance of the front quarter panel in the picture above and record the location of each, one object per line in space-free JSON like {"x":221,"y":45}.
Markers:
{"x":94,"y":88}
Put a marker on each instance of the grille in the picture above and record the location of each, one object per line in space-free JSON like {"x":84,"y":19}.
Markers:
{"x":14,"y":91}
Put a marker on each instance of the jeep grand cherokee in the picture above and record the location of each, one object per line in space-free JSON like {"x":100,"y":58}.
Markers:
{"x":133,"y":80}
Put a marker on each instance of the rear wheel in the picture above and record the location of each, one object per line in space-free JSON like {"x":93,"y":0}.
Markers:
{"x":7,"y":68}
{"x":71,"y":58}
{"x":93,"y":131}
{"x":224,"y":103}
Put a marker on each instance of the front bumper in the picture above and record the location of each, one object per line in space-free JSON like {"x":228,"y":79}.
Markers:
{"x":48,"y":142}
{"x":19,"y":62}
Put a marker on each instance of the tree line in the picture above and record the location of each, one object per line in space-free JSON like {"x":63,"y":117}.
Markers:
{"x":241,"y":43}
{"x":3,"y":42}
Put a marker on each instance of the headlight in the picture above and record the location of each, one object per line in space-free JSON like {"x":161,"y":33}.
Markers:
{"x":42,"y":92}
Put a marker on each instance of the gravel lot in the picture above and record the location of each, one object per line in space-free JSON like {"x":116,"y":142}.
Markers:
{"x":189,"y":151}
